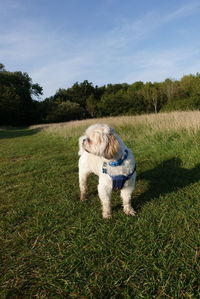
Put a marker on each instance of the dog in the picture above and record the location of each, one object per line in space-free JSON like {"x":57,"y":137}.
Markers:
{"x":103,"y":153}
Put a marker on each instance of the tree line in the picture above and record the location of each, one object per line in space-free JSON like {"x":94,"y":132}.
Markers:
{"x":20,"y":105}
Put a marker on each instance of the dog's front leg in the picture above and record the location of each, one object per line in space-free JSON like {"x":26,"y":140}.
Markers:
{"x":83,"y":184}
{"x":105,"y":197}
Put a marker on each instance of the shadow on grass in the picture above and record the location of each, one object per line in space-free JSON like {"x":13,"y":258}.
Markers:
{"x":167,"y":177}
{"x":14,"y":133}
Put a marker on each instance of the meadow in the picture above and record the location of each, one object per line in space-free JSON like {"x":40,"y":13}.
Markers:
{"x":54,"y":246}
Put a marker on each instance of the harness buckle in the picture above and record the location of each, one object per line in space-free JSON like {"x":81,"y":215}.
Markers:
{"x":104,"y":168}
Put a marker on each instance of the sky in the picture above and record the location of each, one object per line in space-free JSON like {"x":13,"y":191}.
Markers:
{"x":62,"y":42}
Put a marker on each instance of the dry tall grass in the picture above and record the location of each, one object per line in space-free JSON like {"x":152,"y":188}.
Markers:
{"x":189,"y":121}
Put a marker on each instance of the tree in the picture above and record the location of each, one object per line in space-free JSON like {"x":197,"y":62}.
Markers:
{"x":62,"y":95}
{"x":114,"y":88}
{"x":79,"y":92}
{"x":153,"y":96}
{"x":170,"y":89}
{"x":157,"y":97}
{"x":91,"y":105}
{"x":64,"y":111}
{"x":2,"y":67}
{"x":114,"y":104}
{"x":17,"y":106}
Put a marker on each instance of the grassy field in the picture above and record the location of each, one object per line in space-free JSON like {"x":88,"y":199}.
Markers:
{"x":53,"y":246}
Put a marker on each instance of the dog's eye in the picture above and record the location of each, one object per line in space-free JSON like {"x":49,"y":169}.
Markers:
{"x":89,"y":140}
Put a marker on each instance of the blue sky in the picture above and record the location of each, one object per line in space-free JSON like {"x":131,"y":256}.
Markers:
{"x":103,"y":41}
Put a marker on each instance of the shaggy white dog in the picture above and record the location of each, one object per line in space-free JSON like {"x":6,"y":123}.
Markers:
{"x":103,"y":153}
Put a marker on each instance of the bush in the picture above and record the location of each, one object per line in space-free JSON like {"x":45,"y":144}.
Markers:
{"x":192,"y":103}
{"x":65,"y":111}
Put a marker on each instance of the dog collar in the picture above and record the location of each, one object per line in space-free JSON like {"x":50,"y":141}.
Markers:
{"x":120,"y":161}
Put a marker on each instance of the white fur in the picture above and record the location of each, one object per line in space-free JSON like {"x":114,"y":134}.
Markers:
{"x":92,"y":148}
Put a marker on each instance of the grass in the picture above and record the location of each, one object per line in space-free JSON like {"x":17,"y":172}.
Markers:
{"x":53,"y":246}
{"x":189,"y":121}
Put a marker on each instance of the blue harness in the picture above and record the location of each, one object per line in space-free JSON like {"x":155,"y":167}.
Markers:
{"x":118,"y":181}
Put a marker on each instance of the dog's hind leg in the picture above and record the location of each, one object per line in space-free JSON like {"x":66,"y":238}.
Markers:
{"x":126,"y":198}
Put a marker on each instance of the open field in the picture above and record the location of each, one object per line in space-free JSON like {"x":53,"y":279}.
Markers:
{"x":53,"y":246}
{"x":189,"y":121}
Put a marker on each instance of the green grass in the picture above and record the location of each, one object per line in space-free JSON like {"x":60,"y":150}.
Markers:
{"x":53,"y":246}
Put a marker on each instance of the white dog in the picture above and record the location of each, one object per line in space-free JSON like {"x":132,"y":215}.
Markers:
{"x":103,"y":153}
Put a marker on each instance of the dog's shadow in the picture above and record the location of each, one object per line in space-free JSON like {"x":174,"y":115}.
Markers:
{"x":165,"y":178}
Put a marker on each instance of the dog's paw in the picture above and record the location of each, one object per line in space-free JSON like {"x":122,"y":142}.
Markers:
{"x":82,"y":197}
{"x":106,"y":215}
{"x":130,"y":212}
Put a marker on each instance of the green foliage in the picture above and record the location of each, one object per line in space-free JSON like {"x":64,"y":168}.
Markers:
{"x":79,"y":92}
{"x":54,"y":246}
{"x":112,"y":104}
{"x":17,"y":106}
{"x":91,"y":105}
{"x":138,"y":98}
{"x":191,"y":103}
{"x":2,"y":67}
{"x":64,"y":111}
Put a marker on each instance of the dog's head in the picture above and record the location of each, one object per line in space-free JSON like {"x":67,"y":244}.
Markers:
{"x":100,"y":140}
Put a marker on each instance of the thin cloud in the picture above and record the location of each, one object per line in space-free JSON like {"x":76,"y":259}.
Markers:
{"x":184,"y":11}
{"x":57,"y":61}
{"x":157,"y":66}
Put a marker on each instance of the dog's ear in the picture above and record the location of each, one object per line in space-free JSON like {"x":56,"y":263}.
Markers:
{"x":81,"y":150}
{"x":112,"y":147}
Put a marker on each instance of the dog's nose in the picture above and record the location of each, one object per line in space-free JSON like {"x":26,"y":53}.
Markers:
{"x":84,"y":140}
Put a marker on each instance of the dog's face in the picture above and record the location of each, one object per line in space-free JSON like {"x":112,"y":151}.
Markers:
{"x":100,"y":140}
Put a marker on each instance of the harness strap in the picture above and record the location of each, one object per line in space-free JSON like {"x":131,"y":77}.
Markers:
{"x":120,"y":161}
{"x":130,"y":174}
{"x":118,"y":181}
